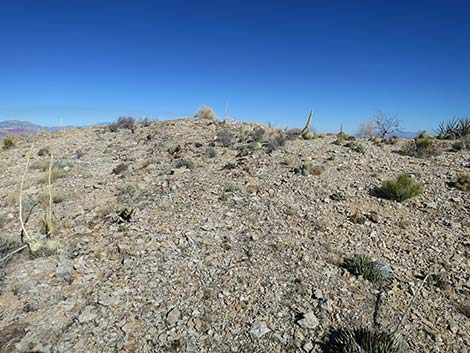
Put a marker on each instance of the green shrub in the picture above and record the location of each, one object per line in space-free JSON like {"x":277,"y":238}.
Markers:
{"x":401,"y":189}
{"x":8,"y":143}
{"x":374,"y":271}
{"x":362,"y":340}
{"x":184,"y":163}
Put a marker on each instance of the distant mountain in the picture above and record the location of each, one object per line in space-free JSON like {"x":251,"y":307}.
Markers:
{"x":17,"y":127}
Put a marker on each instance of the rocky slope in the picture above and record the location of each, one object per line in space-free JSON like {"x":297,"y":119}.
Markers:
{"x":237,"y":253}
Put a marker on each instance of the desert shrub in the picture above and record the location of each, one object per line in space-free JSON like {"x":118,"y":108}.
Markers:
{"x":124,"y":122}
{"x":373,"y":271}
{"x":258,"y":134}
{"x":453,"y":128}
{"x":44,"y":151}
{"x":56,"y":173}
{"x":362,"y":340}
{"x":120,"y":168}
{"x":184,"y":163}
{"x":205,"y":113}
{"x":44,"y":248}
{"x":357,"y":218}
{"x":225,"y":137}
{"x":292,"y":134}
{"x":386,"y":124}
{"x":277,"y":142}
{"x":211,"y":152}
{"x":145,"y":122}
{"x":8,"y":143}
{"x":423,"y":145}
{"x":367,"y":129}
{"x":400,"y":189}
{"x":356,"y":147}
{"x":48,"y":226}
{"x":463,"y":182}
{"x":308,"y":169}
{"x":462,"y":144}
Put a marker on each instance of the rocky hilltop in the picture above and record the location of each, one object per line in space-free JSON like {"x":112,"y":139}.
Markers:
{"x":200,"y":235}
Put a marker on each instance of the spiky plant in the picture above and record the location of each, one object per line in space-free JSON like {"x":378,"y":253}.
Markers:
{"x":373,"y":271}
{"x":363,"y":340}
{"x":400,"y":189}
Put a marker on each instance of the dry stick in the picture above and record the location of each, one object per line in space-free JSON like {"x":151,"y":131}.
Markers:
{"x":23,"y":229}
{"x":49,"y":212}
{"x":411,"y":303}
{"x":21,"y":248}
{"x":307,"y":126}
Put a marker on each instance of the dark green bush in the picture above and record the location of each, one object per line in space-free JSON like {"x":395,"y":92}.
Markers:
{"x":400,"y":189}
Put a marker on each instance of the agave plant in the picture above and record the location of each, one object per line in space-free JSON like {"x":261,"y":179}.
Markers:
{"x":374,"y":271}
{"x":363,"y":340}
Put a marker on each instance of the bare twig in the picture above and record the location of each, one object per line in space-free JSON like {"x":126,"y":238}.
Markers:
{"x":307,"y":125}
{"x":24,"y":234}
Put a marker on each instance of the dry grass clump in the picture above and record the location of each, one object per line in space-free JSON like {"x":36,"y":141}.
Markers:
{"x":362,"y":340}
{"x":463,"y":182}
{"x":44,"y":248}
{"x":8,"y":143}
{"x":277,"y":142}
{"x":205,"y":113}
{"x":373,"y":271}
{"x":56,"y":198}
{"x":56,"y":173}
{"x":400,"y":189}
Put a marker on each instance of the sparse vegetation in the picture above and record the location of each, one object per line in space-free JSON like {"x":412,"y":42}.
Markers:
{"x":386,"y":124}
{"x":453,"y":129}
{"x":277,"y":142}
{"x":423,"y":146}
{"x":362,"y":340}
{"x":205,"y":113}
{"x":308,"y":169}
{"x":400,"y":189}
{"x":124,"y":122}
{"x":373,"y":271}
{"x":463,"y":182}
{"x":367,"y":129}
{"x":44,"y":151}
{"x":356,"y":147}
{"x":8,"y":143}
{"x":184,"y":163}
{"x":225,"y":137}
{"x":7,"y":245}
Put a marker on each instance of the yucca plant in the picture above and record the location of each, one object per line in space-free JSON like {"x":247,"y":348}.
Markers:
{"x":400,"y":189}
{"x":363,"y":340}
{"x":453,"y":128}
{"x":365,"y":266}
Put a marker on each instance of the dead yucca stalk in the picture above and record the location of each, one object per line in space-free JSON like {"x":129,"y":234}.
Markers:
{"x":25,"y":237}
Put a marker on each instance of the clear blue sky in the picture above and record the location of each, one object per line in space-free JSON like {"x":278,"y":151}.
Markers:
{"x":91,"y":61}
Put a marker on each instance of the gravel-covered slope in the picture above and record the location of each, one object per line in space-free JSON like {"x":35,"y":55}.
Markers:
{"x":230,"y":255}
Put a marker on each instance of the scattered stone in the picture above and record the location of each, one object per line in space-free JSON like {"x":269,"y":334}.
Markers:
{"x":259,"y":329}
{"x":308,"y":320}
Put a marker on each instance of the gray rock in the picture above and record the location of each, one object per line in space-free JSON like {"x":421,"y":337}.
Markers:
{"x":173,"y":316}
{"x":259,"y":329}
{"x":308,"y":320}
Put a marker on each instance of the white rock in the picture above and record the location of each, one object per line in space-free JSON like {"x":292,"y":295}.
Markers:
{"x":259,"y":329}
{"x":309,"y":320}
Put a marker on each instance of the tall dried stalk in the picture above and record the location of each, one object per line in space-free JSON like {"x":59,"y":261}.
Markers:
{"x":24,"y":234}
{"x":49,"y":211}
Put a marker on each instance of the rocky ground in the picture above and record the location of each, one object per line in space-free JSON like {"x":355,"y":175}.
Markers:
{"x":237,"y":253}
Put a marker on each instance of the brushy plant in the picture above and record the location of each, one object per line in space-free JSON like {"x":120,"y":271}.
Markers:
{"x":184,"y":163}
{"x":422,"y":146}
{"x":258,"y":134}
{"x":463,"y":182}
{"x":44,"y":151}
{"x":365,"y":266}
{"x":8,"y":143}
{"x":124,"y":122}
{"x":400,"y":189}
{"x":356,"y":147}
{"x":276,"y":142}
{"x":363,"y":340}
{"x":56,"y":173}
{"x":205,"y":113}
